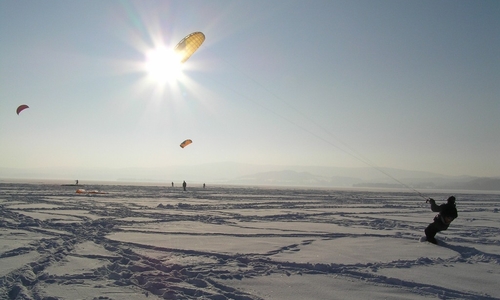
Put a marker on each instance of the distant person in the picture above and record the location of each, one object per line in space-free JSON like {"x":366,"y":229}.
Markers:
{"x":76,"y":182}
{"x":172,"y":184}
{"x":184,"y":185}
{"x":203,"y":185}
{"x":446,"y":214}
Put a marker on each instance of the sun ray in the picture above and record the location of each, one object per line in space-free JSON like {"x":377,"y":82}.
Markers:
{"x":162,"y":79}
{"x":163,"y":65}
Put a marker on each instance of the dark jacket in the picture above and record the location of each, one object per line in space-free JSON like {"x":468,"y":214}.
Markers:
{"x":447,"y":213}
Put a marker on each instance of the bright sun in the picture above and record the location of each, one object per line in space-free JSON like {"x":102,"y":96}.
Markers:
{"x":163,"y":65}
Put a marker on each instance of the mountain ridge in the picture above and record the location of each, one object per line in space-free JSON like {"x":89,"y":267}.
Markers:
{"x":252,"y":174}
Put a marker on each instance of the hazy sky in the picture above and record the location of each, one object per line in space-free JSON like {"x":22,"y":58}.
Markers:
{"x":402,"y":84}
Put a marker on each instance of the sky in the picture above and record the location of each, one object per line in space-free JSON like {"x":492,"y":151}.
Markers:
{"x":401,"y":84}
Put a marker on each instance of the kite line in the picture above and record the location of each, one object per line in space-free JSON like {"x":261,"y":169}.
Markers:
{"x":352,"y":152}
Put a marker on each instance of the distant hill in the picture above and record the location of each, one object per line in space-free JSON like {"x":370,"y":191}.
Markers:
{"x":252,"y":174}
{"x":293,"y":178}
{"x":485,"y":184}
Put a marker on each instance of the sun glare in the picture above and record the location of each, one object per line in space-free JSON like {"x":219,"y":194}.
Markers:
{"x":163,"y":65}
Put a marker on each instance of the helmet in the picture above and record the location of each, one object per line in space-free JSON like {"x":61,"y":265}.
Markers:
{"x":451,"y":199}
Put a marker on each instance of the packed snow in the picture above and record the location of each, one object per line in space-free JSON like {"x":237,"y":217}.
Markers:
{"x":242,"y":243}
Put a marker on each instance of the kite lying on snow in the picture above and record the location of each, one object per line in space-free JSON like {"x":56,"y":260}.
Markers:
{"x":82,"y":191}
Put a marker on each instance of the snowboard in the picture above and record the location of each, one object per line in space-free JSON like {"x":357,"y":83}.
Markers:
{"x":424,"y":239}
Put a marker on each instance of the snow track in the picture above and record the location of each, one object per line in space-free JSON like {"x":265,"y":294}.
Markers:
{"x":147,"y":242}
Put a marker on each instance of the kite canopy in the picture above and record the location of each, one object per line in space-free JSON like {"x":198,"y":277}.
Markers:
{"x":188,"y":45}
{"x":21,"y":108}
{"x":185,"y":143}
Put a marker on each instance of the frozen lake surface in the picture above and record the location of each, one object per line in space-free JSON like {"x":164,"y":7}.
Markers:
{"x":223,"y":242}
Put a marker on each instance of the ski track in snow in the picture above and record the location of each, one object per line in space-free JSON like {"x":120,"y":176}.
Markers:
{"x":154,"y":242}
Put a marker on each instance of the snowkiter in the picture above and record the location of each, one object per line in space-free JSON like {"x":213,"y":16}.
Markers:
{"x":446,"y":214}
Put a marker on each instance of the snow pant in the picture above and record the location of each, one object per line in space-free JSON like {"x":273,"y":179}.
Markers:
{"x":433,"y":229}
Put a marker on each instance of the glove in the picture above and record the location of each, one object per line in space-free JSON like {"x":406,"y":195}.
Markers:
{"x":432,"y":201}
